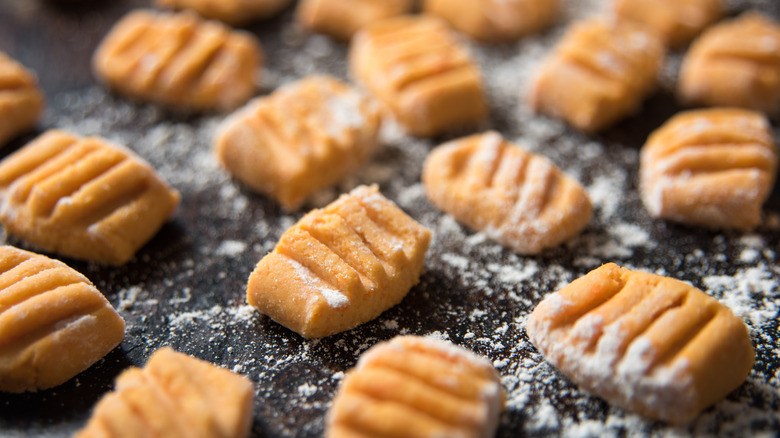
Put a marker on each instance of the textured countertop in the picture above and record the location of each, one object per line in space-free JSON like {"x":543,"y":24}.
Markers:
{"x":186,"y":287}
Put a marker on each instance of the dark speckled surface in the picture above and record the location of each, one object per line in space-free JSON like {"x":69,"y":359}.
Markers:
{"x":186,"y":287}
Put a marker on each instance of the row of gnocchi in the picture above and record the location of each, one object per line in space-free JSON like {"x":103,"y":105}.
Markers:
{"x":603,"y":69}
{"x":712,"y":167}
{"x":485,"y":20}
{"x":599,"y":72}
{"x":54,"y":324}
{"x":89,"y":199}
{"x":645,"y":342}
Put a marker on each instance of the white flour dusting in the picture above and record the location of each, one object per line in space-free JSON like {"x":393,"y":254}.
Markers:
{"x":752,"y":293}
{"x":230,"y":248}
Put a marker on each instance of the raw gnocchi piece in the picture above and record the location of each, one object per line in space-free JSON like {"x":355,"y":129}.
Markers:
{"x":713,"y":168}
{"x":340,"y":266}
{"x":83,"y":197}
{"x":54,"y":323}
{"x":599,"y":73}
{"x":648,"y":343}
{"x":342,"y":18}
{"x":174,"y":395}
{"x":515,"y":197}
{"x":304,"y":137}
{"x":418,"y":387}
{"x":495,"y":20}
{"x":419,"y":70}
{"x":734,"y":64}
{"x":676,"y":21}
{"x":179,"y":60}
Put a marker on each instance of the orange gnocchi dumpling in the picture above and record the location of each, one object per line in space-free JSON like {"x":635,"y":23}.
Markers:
{"x":676,"y":21}
{"x":21,"y":100}
{"x":340,"y":266}
{"x":179,"y":60}
{"x":235,"y":12}
{"x":342,"y":18}
{"x":83,"y":197}
{"x":599,"y":73}
{"x":54,"y":323}
{"x":418,"y":69}
{"x":306,"y":136}
{"x":734,"y":64}
{"x":517,"y":198}
{"x":174,"y":395}
{"x":712,"y":167}
{"x":413,"y":386}
{"x":495,"y":20}
{"x":648,"y":343}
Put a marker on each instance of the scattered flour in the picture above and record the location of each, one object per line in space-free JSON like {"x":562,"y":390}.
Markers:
{"x":493,"y":290}
{"x":442,"y":336}
{"x":307,"y":390}
{"x":512,"y":274}
{"x":752,"y":293}
{"x":749,"y":255}
{"x":230,"y":248}
{"x":391,"y":324}
{"x":602,"y":193}
{"x":456,"y":261}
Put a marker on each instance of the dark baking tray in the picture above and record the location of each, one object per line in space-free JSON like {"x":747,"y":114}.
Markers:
{"x":186,"y":287}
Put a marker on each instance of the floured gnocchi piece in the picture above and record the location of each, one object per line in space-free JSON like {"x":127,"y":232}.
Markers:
{"x":340,"y":266}
{"x":600,"y":72}
{"x":83,"y":197}
{"x":21,"y":100}
{"x":736,"y":63}
{"x":675,"y":21}
{"x":648,"y":343}
{"x":179,"y":60}
{"x":54,"y":323}
{"x":342,"y":18}
{"x":711,"y":167}
{"x":412,"y":386}
{"x":495,"y":20}
{"x":174,"y":395}
{"x":515,"y":197}
{"x":304,"y":137}
{"x":419,"y":70}
{"x":235,"y":12}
